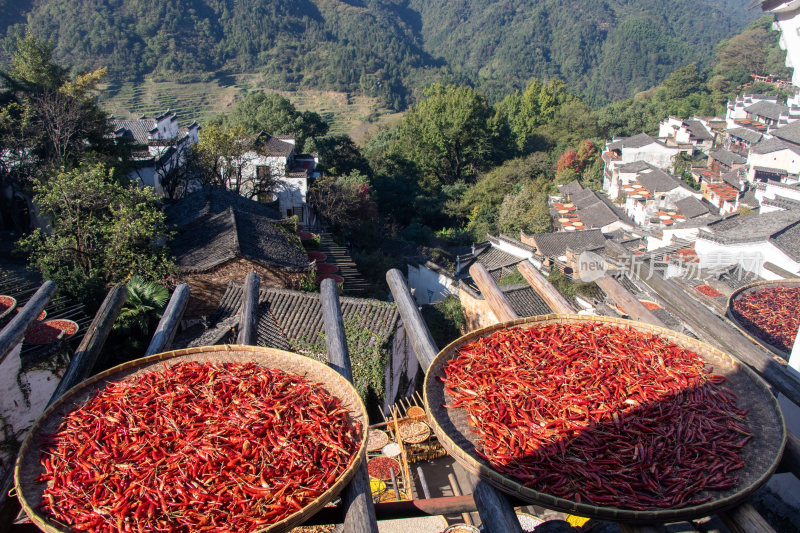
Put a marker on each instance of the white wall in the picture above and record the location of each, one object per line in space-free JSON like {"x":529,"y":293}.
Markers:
{"x":750,"y":256}
{"x":789,"y":24}
{"x":656,"y":154}
{"x":429,"y":286}
{"x":783,"y":159}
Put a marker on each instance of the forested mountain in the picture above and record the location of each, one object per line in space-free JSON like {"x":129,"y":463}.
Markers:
{"x":604,"y":49}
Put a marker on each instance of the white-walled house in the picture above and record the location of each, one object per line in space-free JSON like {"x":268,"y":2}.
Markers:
{"x":274,"y":157}
{"x":643,"y":147}
{"x":673,"y":130}
{"x":786,"y":14}
{"x":754,"y":242}
{"x":159,"y":146}
{"x":773,"y":159}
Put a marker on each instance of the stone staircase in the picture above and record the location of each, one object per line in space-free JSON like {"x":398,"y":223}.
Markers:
{"x":354,"y":283}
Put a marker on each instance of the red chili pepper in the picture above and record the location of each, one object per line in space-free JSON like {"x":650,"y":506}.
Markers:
{"x":612,"y":416}
{"x":772,"y":314}
{"x":194,"y":447}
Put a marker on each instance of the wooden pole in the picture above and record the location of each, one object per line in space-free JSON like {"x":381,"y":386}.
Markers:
{"x":418,"y":332}
{"x":457,"y":492}
{"x":745,"y":519}
{"x":497,"y":515}
{"x":627,"y":301}
{"x":492,"y":505}
{"x":81,"y":364}
{"x":15,"y":330}
{"x":248,"y":320}
{"x":168,"y":325}
{"x":544,"y":288}
{"x":491,"y":292}
{"x":357,"y":496}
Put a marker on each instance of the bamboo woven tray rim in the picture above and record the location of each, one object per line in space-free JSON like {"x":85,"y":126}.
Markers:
{"x":10,"y":308}
{"x":27,"y":466}
{"x":741,"y":327}
{"x":765,"y":420}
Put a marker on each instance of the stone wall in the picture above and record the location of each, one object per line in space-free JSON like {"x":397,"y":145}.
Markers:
{"x":206,"y":288}
{"x":477,"y":312}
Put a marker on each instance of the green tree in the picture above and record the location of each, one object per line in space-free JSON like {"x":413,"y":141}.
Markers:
{"x":346,"y":204}
{"x":525,"y":211}
{"x":338,"y":155}
{"x":447,"y":135}
{"x":144,"y":305}
{"x":32,"y":63}
{"x":276,"y":115}
{"x":100,"y":233}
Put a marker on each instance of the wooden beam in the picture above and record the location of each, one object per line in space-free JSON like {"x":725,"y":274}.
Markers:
{"x":627,"y":301}
{"x":15,"y":330}
{"x":170,"y":320}
{"x":497,"y":515}
{"x":791,"y":456}
{"x":544,"y":288}
{"x":491,"y":292}
{"x":418,"y":333}
{"x":81,"y":364}
{"x":359,"y":512}
{"x":493,"y":504}
{"x":745,"y":519}
{"x":248,"y":320}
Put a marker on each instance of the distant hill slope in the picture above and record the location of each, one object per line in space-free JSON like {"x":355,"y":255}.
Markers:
{"x":606,"y":49}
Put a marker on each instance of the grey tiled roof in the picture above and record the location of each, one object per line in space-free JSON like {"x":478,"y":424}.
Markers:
{"x":768,"y":109}
{"x":512,"y":241}
{"x":556,"y":244}
{"x":697,"y":130}
{"x":493,"y":258}
{"x":584,"y":198}
{"x":637,"y":141}
{"x":745,"y":134}
{"x":782,"y":202}
{"x":214,"y":240}
{"x":691,"y":207}
{"x":728,"y":158}
{"x":273,"y":146}
{"x":212,"y":201}
{"x":788,"y":240}
{"x":754,"y":228}
{"x":597,"y":215}
{"x":136,"y":129}
{"x":291,"y":319}
{"x":635,"y":166}
{"x":657,"y":181}
{"x":768,"y":146}
{"x":570,"y":188}
{"x":733,"y":178}
{"x":790,"y":132}
{"x":525,"y":300}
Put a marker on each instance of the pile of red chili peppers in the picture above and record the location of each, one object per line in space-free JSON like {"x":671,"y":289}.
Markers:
{"x":600,"y":414}
{"x":199,"y":446}
{"x":772,"y":314}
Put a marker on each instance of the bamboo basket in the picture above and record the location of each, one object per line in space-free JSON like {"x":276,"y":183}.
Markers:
{"x":739,"y":323}
{"x":27,"y":467}
{"x":761,"y":455}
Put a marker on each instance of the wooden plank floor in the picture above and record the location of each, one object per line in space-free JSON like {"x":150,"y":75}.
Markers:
{"x":354,"y":282}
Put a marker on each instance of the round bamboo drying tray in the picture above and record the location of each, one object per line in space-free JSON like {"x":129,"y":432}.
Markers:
{"x":761,"y":455}
{"x":376,"y":439}
{"x":9,"y":302}
{"x":741,"y":326}
{"x":27,"y":467}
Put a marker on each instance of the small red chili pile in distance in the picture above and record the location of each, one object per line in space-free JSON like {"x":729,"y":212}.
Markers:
{"x":599,"y":414}
{"x":199,"y":446}
{"x":380,"y":467}
{"x":47,"y":332}
{"x":709,"y":291}
{"x":772,"y":315}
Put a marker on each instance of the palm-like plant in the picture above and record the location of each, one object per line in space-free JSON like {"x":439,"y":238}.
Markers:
{"x":146,"y":301}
